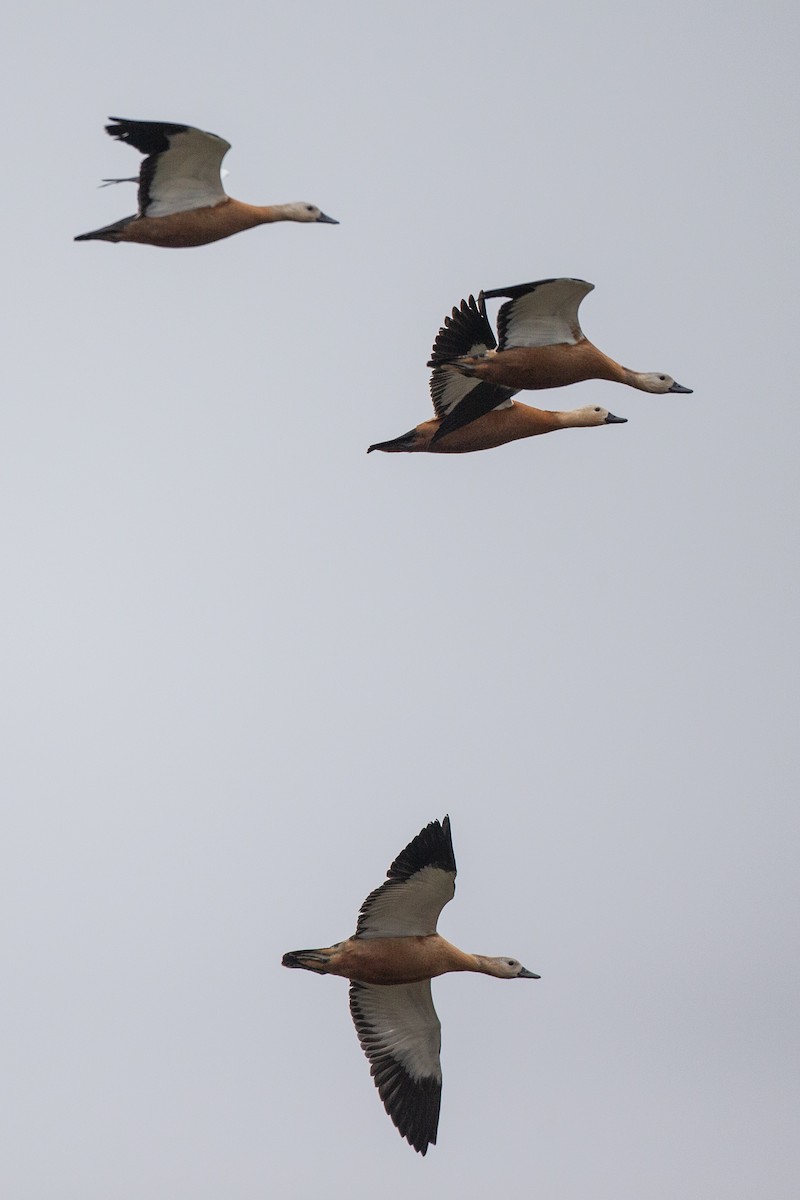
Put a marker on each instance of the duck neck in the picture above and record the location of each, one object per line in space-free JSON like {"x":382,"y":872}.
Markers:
{"x":263,"y":214}
{"x":455,"y":959}
{"x":485,"y":965}
{"x":636,"y":379}
{"x":537,"y":420}
{"x":573,"y":419}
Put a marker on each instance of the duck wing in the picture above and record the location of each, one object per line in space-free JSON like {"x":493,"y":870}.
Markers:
{"x":457,"y":399}
{"x":421,"y":880}
{"x":400,"y":1034}
{"x":182,"y":167}
{"x":544,"y":313}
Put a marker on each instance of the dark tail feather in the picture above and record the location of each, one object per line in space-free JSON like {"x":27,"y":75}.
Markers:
{"x":306,"y":960}
{"x":290,"y":959}
{"x":406,"y":441}
{"x":107,"y":233}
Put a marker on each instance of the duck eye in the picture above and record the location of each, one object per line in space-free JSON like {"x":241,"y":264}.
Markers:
{"x":663,"y":378}
{"x":511,"y":962}
{"x":597,"y":410}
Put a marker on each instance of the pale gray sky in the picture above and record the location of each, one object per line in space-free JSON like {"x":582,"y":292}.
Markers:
{"x":244,"y":663}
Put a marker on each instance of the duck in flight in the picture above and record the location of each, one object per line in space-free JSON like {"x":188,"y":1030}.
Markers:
{"x":181,"y":198}
{"x":390,"y":961}
{"x":473,"y":411}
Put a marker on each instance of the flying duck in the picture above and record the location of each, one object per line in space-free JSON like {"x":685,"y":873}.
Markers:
{"x":181,"y":198}
{"x":390,"y":961}
{"x":541,"y":346}
{"x":473,"y":413}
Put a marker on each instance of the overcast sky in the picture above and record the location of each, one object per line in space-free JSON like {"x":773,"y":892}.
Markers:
{"x":243,"y":663}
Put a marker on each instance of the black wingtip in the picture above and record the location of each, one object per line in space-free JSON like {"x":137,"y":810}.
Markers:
{"x":432,"y":847}
{"x":466,"y":327}
{"x":515,"y":290}
{"x":521,"y":289}
{"x":148,"y":137}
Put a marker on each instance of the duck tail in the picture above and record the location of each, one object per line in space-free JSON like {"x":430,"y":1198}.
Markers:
{"x":307,"y":960}
{"x":405,"y":443}
{"x":109,"y":233}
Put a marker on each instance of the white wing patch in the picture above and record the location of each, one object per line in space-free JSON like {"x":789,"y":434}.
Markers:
{"x":402,"y":1023}
{"x":545,"y":316}
{"x":187,"y":175}
{"x":407,"y":908}
{"x":448,"y":388}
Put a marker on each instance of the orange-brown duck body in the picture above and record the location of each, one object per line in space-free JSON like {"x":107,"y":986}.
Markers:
{"x":392,"y":960}
{"x":182,"y":202}
{"x":531,"y":368}
{"x":509,"y":423}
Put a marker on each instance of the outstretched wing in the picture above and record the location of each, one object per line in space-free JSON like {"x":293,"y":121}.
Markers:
{"x":400,"y":1034}
{"x":466,"y":332}
{"x":457,"y":399}
{"x":449,"y":389}
{"x":544,"y":313}
{"x":182,"y":167}
{"x":421,"y":880}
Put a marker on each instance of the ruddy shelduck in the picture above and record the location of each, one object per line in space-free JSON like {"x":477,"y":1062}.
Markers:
{"x":541,"y":345}
{"x":390,"y":961}
{"x":181,"y":198}
{"x":473,"y":413}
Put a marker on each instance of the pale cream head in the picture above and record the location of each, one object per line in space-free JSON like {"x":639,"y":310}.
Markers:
{"x":300,"y":211}
{"x":593,"y":414}
{"x":654,"y":381}
{"x":504,"y":968}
